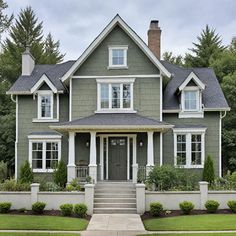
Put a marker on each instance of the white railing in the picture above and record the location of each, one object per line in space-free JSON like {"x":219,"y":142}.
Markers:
{"x":82,"y":172}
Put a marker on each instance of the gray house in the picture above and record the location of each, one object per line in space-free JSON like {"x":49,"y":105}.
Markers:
{"x":118,"y":108}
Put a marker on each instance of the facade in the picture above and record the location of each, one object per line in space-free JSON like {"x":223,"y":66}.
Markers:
{"x":116,"y":110}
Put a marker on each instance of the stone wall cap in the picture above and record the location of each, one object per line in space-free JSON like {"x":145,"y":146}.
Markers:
{"x":35,"y":185}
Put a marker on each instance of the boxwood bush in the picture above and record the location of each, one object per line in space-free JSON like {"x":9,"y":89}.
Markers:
{"x":232,"y":205}
{"x":156,"y":208}
{"x":80,"y":210}
{"x":66,"y":209}
{"x":38,"y":207}
{"x":5,"y":207}
{"x":212,"y":206}
{"x":186,"y":207}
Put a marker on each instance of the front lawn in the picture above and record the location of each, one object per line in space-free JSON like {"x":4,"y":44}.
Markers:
{"x":194,"y":222}
{"x":201,"y":234}
{"x":30,"y":222}
{"x":37,"y":234}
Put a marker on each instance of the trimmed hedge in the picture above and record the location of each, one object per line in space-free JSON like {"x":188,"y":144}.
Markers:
{"x":232,"y":205}
{"x":5,"y":207}
{"x":156,"y":208}
{"x":186,"y":207}
{"x":38,"y":207}
{"x":66,"y":209}
{"x":80,"y":210}
{"x":212,"y":206}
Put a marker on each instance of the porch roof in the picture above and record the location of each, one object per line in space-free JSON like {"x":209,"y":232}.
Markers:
{"x":113,"y":121}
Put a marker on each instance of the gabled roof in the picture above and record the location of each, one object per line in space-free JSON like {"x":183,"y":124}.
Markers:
{"x":24,"y":84}
{"x":194,"y":77}
{"x":212,"y":96}
{"x":117,"y":20}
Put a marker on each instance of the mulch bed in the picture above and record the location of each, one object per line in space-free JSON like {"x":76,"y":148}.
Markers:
{"x":147,"y":215}
{"x":45,"y":213}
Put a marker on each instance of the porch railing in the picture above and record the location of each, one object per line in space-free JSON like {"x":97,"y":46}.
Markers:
{"x":82,"y":172}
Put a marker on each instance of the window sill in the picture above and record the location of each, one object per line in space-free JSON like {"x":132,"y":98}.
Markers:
{"x":117,"y":67}
{"x":36,"y":120}
{"x":115,"y":111}
{"x":189,"y":167}
{"x":191,"y":114}
{"x":43,"y":170}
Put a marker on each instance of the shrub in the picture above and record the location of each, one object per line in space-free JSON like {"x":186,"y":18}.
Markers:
{"x":26,"y":173}
{"x":232,"y":205}
{"x":88,"y":179}
{"x":3,"y":171}
{"x":5,"y":207}
{"x":22,"y":210}
{"x":186,"y":207}
{"x":73,"y":186}
{"x":212,"y":206}
{"x":13,"y":185}
{"x":38,"y":207}
{"x":60,"y":174}
{"x":66,"y":209}
{"x":156,"y":208}
{"x":80,"y":210}
{"x":208,"y":170}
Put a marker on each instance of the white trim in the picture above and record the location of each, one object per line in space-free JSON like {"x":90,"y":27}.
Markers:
{"x":192,"y":76}
{"x":217,"y":109}
{"x":161,"y":148}
{"x":43,"y":141}
{"x":161,"y":98}
{"x":188,"y":132}
{"x":36,"y":120}
{"x":40,"y":94}
{"x":150,"y":149}
{"x":115,"y":111}
{"x":110,"y":49}
{"x":70,"y":101}
{"x":186,"y":114}
{"x":107,"y":169}
{"x":116,"y":80}
{"x":58,"y":107}
{"x":43,"y":137}
{"x":220,"y":148}
{"x":128,"y":157}
{"x":101,"y":158}
{"x":116,"y":21}
{"x":171,"y":111}
{"x":17,"y":137}
{"x":114,"y":76}
{"x":43,"y":79}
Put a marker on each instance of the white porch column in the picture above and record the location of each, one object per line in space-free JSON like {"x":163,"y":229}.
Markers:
{"x":71,"y":158}
{"x":93,"y":157}
{"x":135,"y":164}
{"x":150,"y":153}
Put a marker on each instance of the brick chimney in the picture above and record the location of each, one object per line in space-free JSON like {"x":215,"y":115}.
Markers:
{"x":154,"y":38}
{"x":27,"y":62}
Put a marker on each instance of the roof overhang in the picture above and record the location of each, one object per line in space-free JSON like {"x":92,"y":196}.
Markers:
{"x":194,"y":77}
{"x":117,"y":20}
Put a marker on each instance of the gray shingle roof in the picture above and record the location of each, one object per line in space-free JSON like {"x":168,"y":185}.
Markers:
{"x":212,"y":96}
{"x":115,"y":119}
{"x":53,"y":72}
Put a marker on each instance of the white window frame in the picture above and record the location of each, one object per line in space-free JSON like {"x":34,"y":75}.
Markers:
{"x":44,"y":141}
{"x":110,"y":82}
{"x":110,"y":64}
{"x":191,"y":113}
{"x":40,"y":95}
{"x":189,"y":133}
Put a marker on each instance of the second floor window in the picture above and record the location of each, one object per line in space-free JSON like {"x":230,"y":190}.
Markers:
{"x":115,"y":96}
{"x":45,"y":105}
{"x":191,"y":100}
{"x":118,"y":56}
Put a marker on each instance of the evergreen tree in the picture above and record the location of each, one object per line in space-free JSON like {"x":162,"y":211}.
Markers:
{"x":26,"y":173}
{"x":60,"y":174}
{"x":5,"y":20}
{"x":208,"y":171}
{"x":209,"y":46}
{"x":177,"y":60}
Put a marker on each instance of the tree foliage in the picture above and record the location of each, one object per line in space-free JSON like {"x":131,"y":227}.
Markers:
{"x":60,"y":174}
{"x":208,"y":170}
{"x":26,"y":173}
{"x":5,"y":20}
{"x":177,"y":60}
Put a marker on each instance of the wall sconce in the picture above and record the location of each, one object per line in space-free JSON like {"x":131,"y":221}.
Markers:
{"x":87,"y":144}
{"x":140,"y":143}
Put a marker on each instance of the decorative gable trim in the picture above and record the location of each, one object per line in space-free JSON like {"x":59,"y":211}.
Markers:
{"x":116,"y":21}
{"x":43,"y":79}
{"x":194,"y":77}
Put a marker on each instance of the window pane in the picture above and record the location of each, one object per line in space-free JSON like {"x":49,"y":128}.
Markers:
{"x":37,"y":155}
{"x":115,"y":95}
{"x":117,"y":56}
{"x":190,"y":100}
{"x":46,"y":106}
{"x":196,"y":149}
{"x":126,"y":96}
{"x":181,"y":149}
{"x":51,"y":154}
{"x":104,"y":95}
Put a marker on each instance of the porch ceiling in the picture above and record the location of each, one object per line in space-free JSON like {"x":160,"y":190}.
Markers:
{"x":114,"y":121}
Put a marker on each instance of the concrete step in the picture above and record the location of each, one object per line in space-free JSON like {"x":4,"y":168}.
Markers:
{"x":115,"y":200}
{"x":114,"y":195}
{"x":115,"y":211}
{"x":115,"y":205}
{"x":121,"y":191}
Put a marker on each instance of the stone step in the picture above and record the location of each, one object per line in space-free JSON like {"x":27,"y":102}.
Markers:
{"x":127,"y":191}
{"x":115,"y":200}
{"x":115,"y":205}
{"x":115,"y":211}
{"x":114,"y":187}
{"x":114,"y":195}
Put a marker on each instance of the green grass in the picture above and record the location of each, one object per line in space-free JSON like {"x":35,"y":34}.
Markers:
{"x":216,"y":234}
{"x":195,"y":222}
{"x":37,"y":234}
{"x":41,"y":222}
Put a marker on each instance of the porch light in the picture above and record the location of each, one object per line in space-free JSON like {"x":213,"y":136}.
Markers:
{"x":140,"y":143}
{"x":87,"y":144}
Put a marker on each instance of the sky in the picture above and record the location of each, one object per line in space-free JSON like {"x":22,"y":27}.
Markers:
{"x":77,"y":22}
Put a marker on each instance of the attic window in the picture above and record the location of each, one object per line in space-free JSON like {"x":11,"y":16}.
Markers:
{"x":118,"y":56}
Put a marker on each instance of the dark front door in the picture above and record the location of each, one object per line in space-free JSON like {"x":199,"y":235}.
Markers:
{"x":117,"y":158}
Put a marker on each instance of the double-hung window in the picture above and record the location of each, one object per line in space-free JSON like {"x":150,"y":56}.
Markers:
{"x":191,"y":100}
{"x":189,"y":148}
{"x":44,"y":154}
{"x":118,"y":56}
{"x":45,"y":105}
{"x":117,"y":95}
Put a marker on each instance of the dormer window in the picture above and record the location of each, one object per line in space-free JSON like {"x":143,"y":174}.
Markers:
{"x":118,"y":57}
{"x":191,"y":99}
{"x":45,"y":105}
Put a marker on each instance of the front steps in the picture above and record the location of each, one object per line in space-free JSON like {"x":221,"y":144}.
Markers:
{"x":115,"y":198}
